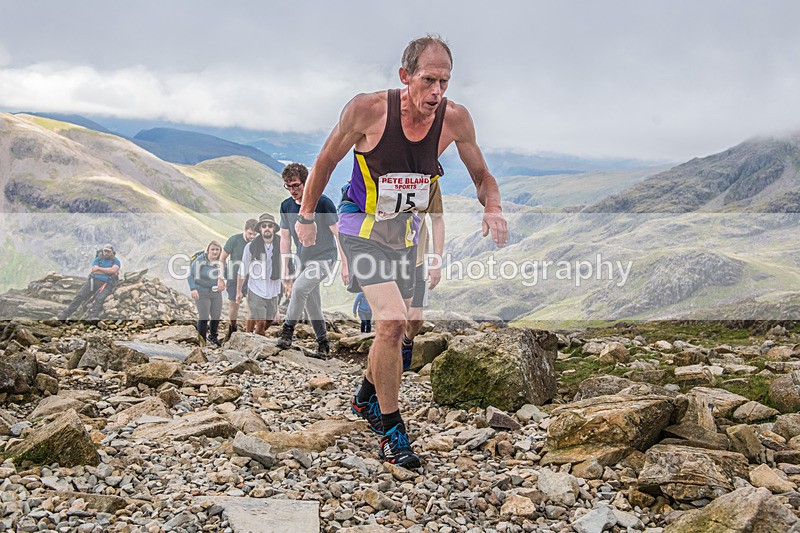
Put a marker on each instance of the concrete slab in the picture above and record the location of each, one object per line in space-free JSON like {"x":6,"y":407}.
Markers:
{"x":268,"y":515}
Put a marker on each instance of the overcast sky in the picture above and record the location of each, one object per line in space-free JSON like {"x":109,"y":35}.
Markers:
{"x":647,"y":79}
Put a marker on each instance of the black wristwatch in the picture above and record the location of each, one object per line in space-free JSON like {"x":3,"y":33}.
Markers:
{"x":303,"y":220}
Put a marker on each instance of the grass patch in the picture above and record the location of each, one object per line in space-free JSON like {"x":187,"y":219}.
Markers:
{"x":707,"y":334}
{"x":756,"y":389}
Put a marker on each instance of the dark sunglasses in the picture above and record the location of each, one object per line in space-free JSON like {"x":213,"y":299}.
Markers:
{"x":292,"y":187}
{"x":267,"y":225}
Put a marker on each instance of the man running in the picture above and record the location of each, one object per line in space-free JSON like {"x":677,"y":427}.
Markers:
{"x":316,"y":262}
{"x":425,"y":278}
{"x":232,"y":252}
{"x":397,"y":136}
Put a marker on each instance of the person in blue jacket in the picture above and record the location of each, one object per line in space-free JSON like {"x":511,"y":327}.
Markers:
{"x":362,"y":309}
{"x":204,"y":283}
{"x":102,"y":280}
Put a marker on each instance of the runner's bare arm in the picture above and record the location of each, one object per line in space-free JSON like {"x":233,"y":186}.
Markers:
{"x":460,"y":126}
{"x":352,"y":124}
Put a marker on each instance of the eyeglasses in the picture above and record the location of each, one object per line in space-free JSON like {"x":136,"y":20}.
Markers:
{"x":267,"y":225}
{"x":292,"y":187}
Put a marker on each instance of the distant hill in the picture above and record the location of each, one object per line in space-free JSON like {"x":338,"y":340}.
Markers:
{"x":760,"y":175}
{"x":66,"y":189}
{"x":566,"y":190}
{"x":190,"y":148}
{"x":504,"y":164}
{"x":78,"y":120}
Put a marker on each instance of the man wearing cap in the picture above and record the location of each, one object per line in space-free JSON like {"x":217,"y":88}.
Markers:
{"x":316,"y":262}
{"x":103,"y":278}
{"x":261,"y":260}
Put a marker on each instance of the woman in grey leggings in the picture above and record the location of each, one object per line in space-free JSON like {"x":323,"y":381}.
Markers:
{"x":206,"y":292}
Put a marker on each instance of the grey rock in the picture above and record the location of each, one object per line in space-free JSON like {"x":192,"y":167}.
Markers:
{"x":254,"y":448}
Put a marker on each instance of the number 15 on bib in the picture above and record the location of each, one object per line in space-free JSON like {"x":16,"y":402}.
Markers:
{"x":401,"y":192}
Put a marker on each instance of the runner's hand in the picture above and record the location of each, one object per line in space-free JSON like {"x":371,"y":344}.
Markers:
{"x":195,"y":294}
{"x":435,"y":275}
{"x":306,"y":233}
{"x":239,"y":297}
{"x":495,"y":223}
{"x":221,"y":285}
{"x":345,"y":274}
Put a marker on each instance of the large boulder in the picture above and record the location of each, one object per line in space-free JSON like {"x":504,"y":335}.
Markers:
{"x":199,"y":424}
{"x":428,"y":347}
{"x":151,"y":407}
{"x":247,"y":421}
{"x":250,"y":343}
{"x":102,"y":353}
{"x":506,"y":369}
{"x":722,"y":402}
{"x":154,"y":374}
{"x":53,"y":405}
{"x":172,"y":334}
{"x":787,"y":426}
{"x":601,"y":386}
{"x":315,"y":438}
{"x":688,"y":473}
{"x":18,"y":372}
{"x":63,"y":441}
{"x":622,"y":419}
{"x":745,"y":510}
{"x":785,"y":392}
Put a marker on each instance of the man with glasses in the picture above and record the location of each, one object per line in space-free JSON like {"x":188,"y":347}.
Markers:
{"x":316,"y":263}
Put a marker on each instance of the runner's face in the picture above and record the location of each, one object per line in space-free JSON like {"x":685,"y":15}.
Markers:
{"x":249,"y":235}
{"x":427,"y":85}
{"x":296,"y":190}
{"x":214,"y":252}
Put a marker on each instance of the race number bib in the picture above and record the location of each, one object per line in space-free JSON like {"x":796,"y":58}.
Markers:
{"x":400,"y":192}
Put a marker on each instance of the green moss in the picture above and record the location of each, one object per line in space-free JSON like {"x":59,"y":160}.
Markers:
{"x":702,"y":333}
{"x":756,"y":389}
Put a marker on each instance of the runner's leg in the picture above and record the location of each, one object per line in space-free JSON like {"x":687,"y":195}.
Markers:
{"x":384,"y":364}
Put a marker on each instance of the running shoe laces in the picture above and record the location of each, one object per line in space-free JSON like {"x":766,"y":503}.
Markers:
{"x":395,"y":448}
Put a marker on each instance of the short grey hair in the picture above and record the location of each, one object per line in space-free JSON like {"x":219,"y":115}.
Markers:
{"x":417,"y":46}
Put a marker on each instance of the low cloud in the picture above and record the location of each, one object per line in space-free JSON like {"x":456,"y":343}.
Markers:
{"x":306,"y":100}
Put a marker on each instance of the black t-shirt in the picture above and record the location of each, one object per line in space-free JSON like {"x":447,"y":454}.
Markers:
{"x":325,"y":217}
{"x":235,"y":248}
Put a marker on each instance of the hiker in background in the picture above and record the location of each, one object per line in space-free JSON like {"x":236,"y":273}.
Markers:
{"x":203,"y":280}
{"x":102,"y":279}
{"x":261,"y":264}
{"x":317,"y":262}
{"x":362,"y":310}
{"x":232,"y":258}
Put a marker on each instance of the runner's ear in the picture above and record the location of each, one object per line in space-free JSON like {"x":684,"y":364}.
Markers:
{"x":405,"y":77}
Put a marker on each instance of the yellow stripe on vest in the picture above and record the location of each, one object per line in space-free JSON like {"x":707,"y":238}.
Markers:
{"x":369,"y":184}
{"x":366,"y":226}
